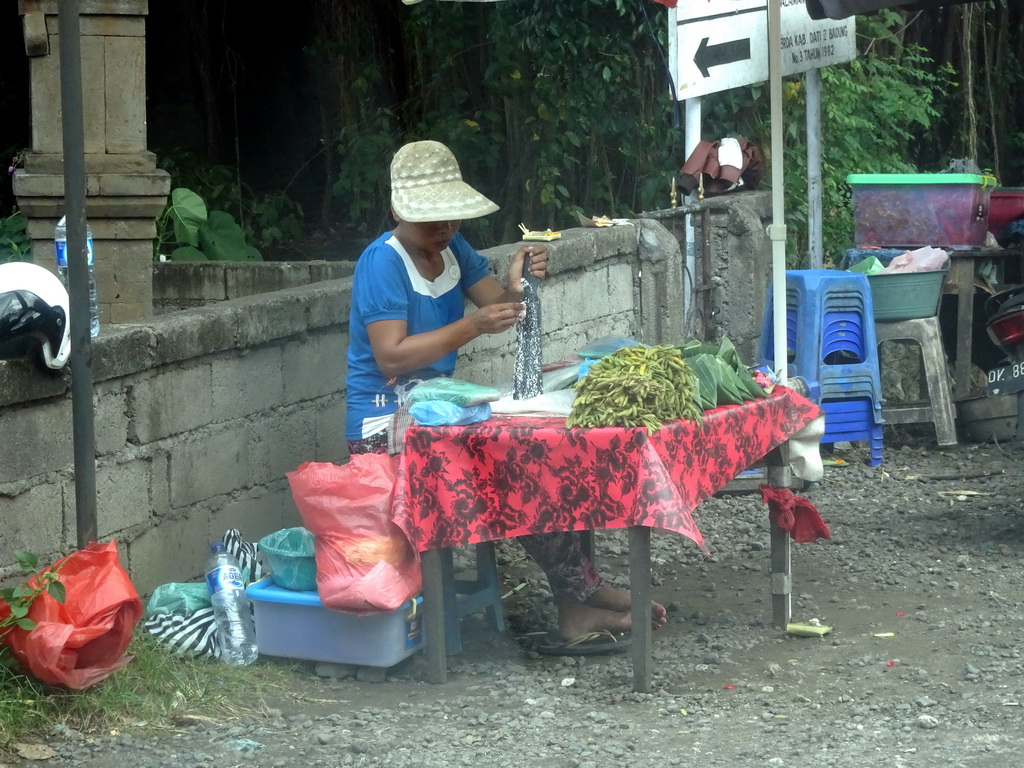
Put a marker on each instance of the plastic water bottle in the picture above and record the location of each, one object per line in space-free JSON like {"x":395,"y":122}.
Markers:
{"x":60,"y":241}
{"x":231,"y":608}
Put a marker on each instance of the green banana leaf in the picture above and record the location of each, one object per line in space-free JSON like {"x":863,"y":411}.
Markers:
{"x":727,"y":352}
{"x":734,"y":383}
{"x":730,"y":391}
{"x":744,"y":379}
{"x":692,"y":348}
{"x":706,"y":371}
{"x":753,"y":389}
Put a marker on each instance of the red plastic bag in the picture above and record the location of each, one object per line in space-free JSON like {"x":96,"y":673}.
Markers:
{"x":364,"y":562}
{"x":82,"y":641}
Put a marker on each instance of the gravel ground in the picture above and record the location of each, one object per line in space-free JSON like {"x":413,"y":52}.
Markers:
{"x":920,"y":582}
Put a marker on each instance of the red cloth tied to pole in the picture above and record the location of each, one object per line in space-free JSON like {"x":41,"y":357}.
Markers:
{"x":794,"y":514}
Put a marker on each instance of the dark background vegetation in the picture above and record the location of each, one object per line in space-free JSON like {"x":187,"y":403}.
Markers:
{"x":287,"y":115}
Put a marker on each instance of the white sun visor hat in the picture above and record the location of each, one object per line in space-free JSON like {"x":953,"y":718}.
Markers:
{"x":427,"y":185}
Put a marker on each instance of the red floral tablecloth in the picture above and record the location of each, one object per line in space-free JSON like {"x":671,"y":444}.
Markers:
{"x":510,"y":476}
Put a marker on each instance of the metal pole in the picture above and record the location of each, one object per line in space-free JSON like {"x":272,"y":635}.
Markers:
{"x":815,"y":252}
{"x":78,"y":269}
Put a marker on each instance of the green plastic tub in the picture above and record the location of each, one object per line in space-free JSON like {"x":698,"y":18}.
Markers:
{"x":290,"y":556}
{"x":906,"y":296}
{"x":909,"y":210}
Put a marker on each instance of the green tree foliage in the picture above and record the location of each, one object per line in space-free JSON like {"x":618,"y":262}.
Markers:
{"x":554,"y":108}
{"x":550,"y":107}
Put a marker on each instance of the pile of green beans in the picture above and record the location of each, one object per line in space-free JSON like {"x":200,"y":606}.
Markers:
{"x":637,"y":387}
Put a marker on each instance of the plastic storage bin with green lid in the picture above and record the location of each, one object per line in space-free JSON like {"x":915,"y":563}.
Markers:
{"x":909,"y":210}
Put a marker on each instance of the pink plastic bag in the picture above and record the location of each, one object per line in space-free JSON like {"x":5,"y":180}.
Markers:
{"x":364,"y":561}
{"x":926,"y":259}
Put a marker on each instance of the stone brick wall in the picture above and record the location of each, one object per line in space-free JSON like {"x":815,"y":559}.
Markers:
{"x":200,"y":413}
{"x":125,"y":191}
{"x":731,"y":242}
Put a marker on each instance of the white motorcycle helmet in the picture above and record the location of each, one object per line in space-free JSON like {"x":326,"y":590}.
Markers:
{"x":34,"y":314}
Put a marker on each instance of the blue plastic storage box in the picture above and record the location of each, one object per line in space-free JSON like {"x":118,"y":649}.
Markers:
{"x":296,"y":625}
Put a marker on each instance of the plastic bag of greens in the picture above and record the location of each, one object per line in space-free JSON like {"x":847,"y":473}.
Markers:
{"x":178,"y":597}
{"x":462,"y":393}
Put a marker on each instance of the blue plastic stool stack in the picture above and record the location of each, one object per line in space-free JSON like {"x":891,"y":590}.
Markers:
{"x":830,"y":340}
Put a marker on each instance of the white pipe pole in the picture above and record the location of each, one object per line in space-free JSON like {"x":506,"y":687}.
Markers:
{"x":690,"y":140}
{"x":777,"y":229}
{"x":691,"y":135}
{"x":815,"y":251}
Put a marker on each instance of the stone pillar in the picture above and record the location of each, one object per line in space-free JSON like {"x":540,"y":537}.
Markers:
{"x":125,"y":191}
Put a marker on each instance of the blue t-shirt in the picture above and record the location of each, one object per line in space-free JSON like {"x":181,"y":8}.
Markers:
{"x":387,"y":286}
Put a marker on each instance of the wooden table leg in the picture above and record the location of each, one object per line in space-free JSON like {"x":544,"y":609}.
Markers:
{"x":963,"y":277}
{"x":640,"y":597}
{"x":433,"y":616}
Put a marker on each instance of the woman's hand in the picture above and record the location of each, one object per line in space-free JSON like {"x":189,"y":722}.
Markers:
{"x":496,"y":318}
{"x":538,"y":266}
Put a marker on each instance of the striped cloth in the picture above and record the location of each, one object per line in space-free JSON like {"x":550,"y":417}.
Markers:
{"x":195,"y":633}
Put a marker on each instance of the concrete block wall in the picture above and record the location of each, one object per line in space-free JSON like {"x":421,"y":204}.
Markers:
{"x":183,"y":285}
{"x":200,"y":413}
{"x":739,"y":266}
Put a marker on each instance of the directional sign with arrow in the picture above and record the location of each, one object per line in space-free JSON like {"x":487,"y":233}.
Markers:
{"x":708,"y":56}
{"x":723,"y":44}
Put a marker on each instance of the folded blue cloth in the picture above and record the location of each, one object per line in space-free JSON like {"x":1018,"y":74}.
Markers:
{"x":439,"y":413}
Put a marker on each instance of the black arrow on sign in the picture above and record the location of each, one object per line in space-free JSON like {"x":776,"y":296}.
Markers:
{"x":708,"y":56}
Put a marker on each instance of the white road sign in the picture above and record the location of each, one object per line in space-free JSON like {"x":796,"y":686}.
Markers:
{"x":723,"y":44}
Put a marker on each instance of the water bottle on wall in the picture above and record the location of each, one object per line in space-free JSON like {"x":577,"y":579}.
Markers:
{"x":60,"y":241}
{"x":231,"y":608}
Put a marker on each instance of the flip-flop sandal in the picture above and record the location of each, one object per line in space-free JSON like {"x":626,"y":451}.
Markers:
{"x":604,"y":641}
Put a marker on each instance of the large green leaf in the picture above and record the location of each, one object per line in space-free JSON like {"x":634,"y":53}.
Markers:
{"x":188,"y":253}
{"x":221,"y":239}
{"x":188,"y":212}
{"x":694,"y":347}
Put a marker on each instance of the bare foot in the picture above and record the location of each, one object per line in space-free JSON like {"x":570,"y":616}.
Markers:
{"x":575,"y":619}
{"x":613,"y":599}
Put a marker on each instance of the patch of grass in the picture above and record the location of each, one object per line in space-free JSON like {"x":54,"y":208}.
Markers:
{"x":156,"y":689}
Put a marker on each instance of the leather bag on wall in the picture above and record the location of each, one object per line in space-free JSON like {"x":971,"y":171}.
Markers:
{"x":714,"y":168}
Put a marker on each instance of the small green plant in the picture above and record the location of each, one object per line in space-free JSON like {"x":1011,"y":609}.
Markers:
{"x":271,"y":221}
{"x":186,"y":231}
{"x":15,"y":244}
{"x":19,"y":600}
{"x":275,"y":220}
{"x":158,"y":687}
